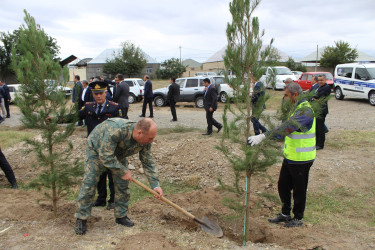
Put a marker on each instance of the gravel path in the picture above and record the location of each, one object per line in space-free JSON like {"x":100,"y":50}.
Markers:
{"x":348,"y":114}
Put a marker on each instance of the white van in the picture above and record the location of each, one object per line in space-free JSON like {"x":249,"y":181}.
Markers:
{"x":355,"y":80}
{"x":136,"y":89}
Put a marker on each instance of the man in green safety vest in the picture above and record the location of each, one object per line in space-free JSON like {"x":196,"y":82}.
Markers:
{"x":299,"y":155}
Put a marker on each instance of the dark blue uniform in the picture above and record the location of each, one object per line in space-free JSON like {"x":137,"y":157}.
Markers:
{"x":93,"y":117}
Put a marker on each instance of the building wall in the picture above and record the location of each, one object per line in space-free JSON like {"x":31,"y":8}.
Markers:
{"x":81,"y":71}
{"x":216,"y":67}
{"x":97,"y":69}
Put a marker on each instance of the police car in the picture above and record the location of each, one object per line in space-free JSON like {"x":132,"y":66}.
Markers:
{"x":355,"y":80}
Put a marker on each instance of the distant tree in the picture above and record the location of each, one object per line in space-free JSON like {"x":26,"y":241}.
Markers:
{"x":292,"y":65}
{"x":43,"y":105}
{"x":10,"y":40}
{"x":247,"y":58}
{"x":130,"y":61}
{"x":340,"y":53}
{"x":171,"y":68}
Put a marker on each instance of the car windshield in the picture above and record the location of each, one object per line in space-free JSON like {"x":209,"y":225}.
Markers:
{"x":371,"y":72}
{"x":283,"y":71}
{"x":141,"y":83}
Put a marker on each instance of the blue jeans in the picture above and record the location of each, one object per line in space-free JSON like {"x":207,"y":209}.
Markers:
{"x":257,"y":126}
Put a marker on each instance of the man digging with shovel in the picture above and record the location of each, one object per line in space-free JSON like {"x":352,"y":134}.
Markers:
{"x":108,"y":146}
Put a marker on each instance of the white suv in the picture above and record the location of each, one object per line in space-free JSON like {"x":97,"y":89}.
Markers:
{"x":136,"y":89}
{"x":355,"y":80}
{"x":281,"y":73}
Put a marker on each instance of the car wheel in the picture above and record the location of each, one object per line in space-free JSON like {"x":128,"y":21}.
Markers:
{"x":338,"y":93}
{"x":371,"y":98}
{"x":199,"y":102}
{"x":223,"y":97}
{"x":159,"y":101}
{"x":132,"y":98}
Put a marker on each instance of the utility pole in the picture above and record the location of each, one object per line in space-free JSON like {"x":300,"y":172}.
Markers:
{"x":316,"y":60}
{"x":180,"y":56}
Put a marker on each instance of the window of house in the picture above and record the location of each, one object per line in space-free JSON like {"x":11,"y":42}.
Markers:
{"x":149,"y":70}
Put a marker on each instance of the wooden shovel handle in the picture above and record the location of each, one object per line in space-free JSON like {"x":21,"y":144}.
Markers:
{"x":163,"y":199}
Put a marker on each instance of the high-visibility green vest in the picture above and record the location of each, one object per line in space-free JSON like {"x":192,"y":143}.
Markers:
{"x":300,"y":146}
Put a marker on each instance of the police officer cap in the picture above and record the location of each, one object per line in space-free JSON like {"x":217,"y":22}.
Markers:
{"x":98,"y":86}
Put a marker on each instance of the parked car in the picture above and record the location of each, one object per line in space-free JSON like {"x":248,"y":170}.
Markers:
{"x":205,"y":74}
{"x":355,"y":80}
{"x":305,"y":79}
{"x":13,"y":89}
{"x":136,"y":89}
{"x":281,"y":73}
{"x":226,"y":91}
{"x":191,"y":90}
{"x":297,"y":73}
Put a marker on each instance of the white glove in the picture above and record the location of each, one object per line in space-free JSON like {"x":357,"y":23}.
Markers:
{"x":255,"y":139}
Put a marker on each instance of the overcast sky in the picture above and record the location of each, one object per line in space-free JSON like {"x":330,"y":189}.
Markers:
{"x":86,"y":28}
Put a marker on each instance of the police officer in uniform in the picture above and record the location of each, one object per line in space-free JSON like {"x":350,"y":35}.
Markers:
{"x":108,"y":146}
{"x":95,"y":113}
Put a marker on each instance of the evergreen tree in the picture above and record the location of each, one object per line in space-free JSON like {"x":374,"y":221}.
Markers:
{"x":130,"y":61}
{"x":246,"y":57}
{"x":43,"y":105}
{"x":171,"y":68}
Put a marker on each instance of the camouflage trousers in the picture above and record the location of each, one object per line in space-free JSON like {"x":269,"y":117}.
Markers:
{"x":93,"y":169}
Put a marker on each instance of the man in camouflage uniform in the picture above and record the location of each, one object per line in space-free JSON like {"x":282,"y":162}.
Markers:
{"x":109,"y":145}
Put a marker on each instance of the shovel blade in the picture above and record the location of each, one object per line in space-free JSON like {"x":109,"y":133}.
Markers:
{"x":209,"y":226}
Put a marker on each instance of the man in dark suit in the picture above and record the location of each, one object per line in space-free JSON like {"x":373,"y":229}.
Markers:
{"x":210,"y":105}
{"x":95,"y":113}
{"x":6,"y":97}
{"x":321,"y":90}
{"x":148,"y":97}
{"x":121,"y":95}
{"x":173,"y":95}
{"x":86,"y":95}
{"x":9,"y":174}
{"x":76,"y":95}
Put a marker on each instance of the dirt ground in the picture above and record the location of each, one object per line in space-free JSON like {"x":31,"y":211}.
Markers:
{"x":26,"y":215}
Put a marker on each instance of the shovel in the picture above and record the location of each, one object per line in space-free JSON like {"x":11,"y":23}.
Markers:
{"x":206,"y":225}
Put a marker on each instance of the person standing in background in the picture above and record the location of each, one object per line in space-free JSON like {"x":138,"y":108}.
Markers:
{"x":173,"y":95}
{"x":6,"y":97}
{"x":148,"y":97}
{"x":121,"y":95}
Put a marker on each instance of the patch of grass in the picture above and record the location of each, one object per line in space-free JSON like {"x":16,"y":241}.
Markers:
{"x":177,"y":129}
{"x":138,"y":193}
{"x":9,"y":137}
{"x":339,"y":207}
{"x":274,"y":102}
{"x":344,"y":139}
{"x":157,"y":84}
{"x":232,"y":204}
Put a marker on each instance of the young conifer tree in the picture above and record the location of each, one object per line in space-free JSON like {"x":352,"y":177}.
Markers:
{"x":43,"y":105}
{"x":246,"y":57}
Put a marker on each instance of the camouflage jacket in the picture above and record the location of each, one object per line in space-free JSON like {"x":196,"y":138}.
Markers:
{"x":113,"y":142}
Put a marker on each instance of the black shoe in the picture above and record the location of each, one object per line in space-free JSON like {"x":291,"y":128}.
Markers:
{"x":141,"y":116}
{"x":319,"y":148}
{"x":173,"y":120}
{"x":125,"y":221}
{"x":80,"y":227}
{"x":294,"y":223}
{"x":280,"y":218}
{"x":111,"y":205}
{"x":8,"y":116}
{"x":218,"y":130}
{"x":99,"y":204}
{"x":14,"y":185}
{"x":207,"y":133}
{"x":1,"y":120}
{"x":151,"y":116}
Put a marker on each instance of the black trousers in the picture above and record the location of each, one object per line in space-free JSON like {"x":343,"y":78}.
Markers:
{"x":320,"y":130}
{"x":6,"y":104}
{"x":125,"y":113}
{"x":211,"y":121}
{"x":5,"y":166}
{"x":173,"y":110}
{"x":102,"y":187}
{"x":293,"y":177}
{"x":149,"y":102}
